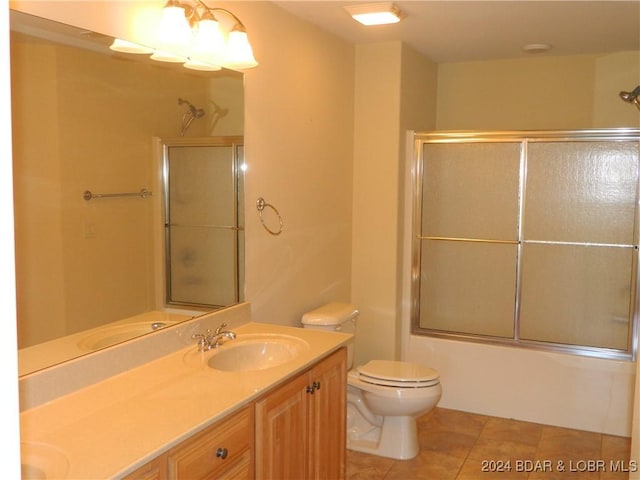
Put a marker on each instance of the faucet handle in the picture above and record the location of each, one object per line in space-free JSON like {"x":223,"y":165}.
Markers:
{"x":219,"y":329}
{"x":204,"y":340}
{"x":202,"y":336}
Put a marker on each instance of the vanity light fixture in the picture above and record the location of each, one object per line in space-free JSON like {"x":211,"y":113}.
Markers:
{"x":375,"y":13}
{"x":191,"y":35}
{"x":124,"y":46}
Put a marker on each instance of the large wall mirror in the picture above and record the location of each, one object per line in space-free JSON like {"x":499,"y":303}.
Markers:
{"x":88,"y":125}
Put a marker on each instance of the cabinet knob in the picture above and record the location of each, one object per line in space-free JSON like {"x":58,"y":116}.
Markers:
{"x":222,"y":453}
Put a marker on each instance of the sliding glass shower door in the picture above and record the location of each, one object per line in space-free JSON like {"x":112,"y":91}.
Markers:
{"x":529,"y":239}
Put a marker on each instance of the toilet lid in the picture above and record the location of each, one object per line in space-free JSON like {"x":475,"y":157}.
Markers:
{"x":398,"y":374}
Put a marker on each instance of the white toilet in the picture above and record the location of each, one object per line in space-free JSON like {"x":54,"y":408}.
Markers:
{"x":384,"y":397}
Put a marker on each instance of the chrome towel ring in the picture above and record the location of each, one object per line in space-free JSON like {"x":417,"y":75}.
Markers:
{"x":260,"y":205}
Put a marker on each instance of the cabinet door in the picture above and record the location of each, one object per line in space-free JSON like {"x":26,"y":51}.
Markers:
{"x":282,"y":432}
{"x":223,"y":450}
{"x":327,"y":415}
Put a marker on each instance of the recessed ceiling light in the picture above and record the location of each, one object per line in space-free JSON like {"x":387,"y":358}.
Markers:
{"x":536,"y":48}
{"x":375,"y":13}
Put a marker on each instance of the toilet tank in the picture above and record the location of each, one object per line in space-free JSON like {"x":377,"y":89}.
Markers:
{"x":335,"y":317}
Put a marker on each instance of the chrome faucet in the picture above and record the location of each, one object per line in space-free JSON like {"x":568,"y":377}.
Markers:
{"x":207,"y":341}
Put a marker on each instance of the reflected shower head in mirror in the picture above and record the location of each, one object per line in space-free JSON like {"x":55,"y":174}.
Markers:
{"x":192,"y":112}
{"x":632,"y":97}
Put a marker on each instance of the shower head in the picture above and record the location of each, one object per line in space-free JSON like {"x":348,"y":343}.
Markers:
{"x":192,"y":113}
{"x":196,"y":112}
{"x":632,"y":97}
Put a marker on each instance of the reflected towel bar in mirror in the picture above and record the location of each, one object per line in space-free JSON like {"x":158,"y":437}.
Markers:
{"x":144,"y":193}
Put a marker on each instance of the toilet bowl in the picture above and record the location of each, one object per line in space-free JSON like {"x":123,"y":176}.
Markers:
{"x":384,"y":397}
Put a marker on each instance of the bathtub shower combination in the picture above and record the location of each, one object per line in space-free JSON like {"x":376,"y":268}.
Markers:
{"x":528,"y":239}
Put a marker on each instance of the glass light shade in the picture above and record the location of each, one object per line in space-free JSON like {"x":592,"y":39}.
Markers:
{"x":174,"y":32}
{"x":124,"y":46}
{"x":203,"y":66}
{"x":239,"y":51}
{"x":208,"y":42}
{"x":162,"y":56}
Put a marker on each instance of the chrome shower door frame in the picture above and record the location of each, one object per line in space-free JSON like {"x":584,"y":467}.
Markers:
{"x":525,"y":138}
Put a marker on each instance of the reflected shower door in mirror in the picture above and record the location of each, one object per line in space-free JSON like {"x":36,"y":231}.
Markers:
{"x":203,"y":221}
{"x":84,"y":118}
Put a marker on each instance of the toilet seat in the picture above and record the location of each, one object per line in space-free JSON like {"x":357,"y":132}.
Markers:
{"x":398,"y":374}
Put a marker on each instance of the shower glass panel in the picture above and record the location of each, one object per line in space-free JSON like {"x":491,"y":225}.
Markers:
{"x":578,"y":251}
{"x":468,"y":287}
{"x":203,"y":223}
{"x":468,"y":190}
{"x":528,"y":239}
{"x":202,"y":271}
{"x":469,"y":236}
{"x":589,"y":186}
{"x":576,"y":295}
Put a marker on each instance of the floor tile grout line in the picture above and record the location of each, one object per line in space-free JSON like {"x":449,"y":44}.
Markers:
{"x":464,"y":462}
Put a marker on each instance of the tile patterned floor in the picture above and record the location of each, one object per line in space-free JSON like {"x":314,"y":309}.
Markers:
{"x":456,"y":445}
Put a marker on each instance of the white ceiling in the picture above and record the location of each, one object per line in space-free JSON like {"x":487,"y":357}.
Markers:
{"x":454,"y":31}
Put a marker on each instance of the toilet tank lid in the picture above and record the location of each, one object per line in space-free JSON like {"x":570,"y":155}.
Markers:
{"x":331,"y":314}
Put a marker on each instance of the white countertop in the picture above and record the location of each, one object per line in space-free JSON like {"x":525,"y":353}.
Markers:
{"x":110,"y":428}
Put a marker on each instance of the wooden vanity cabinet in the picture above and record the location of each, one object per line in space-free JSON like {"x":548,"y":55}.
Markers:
{"x":221,"y":451}
{"x":328,"y":418}
{"x":301,"y":426}
{"x":299,"y":434}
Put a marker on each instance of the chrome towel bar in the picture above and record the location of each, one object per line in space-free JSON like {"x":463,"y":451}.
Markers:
{"x":144,"y":193}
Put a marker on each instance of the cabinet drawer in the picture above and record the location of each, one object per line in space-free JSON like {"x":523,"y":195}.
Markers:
{"x":222,"y":450}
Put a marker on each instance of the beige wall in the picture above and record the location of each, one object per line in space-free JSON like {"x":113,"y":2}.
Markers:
{"x":375,"y":205}
{"x":572,"y":92}
{"x":298,"y":130}
{"x":394,"y":92}
{"x":37,"y":197}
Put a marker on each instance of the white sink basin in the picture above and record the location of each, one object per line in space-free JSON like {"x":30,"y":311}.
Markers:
{"x":250,"y":352}
{"x":40,"y":461}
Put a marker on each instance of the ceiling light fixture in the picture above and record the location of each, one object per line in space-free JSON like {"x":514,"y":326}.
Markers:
{"x":191,"y":34}
{"x":375,"y":13}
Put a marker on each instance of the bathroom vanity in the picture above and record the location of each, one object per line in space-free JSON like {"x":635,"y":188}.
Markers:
{"x":214,"y":414}
{"x":299,"y":433}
